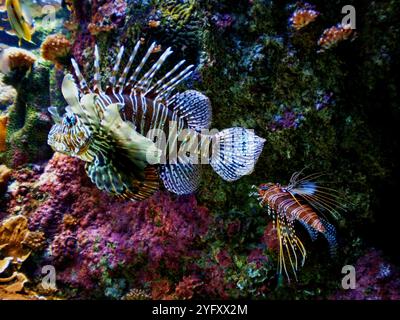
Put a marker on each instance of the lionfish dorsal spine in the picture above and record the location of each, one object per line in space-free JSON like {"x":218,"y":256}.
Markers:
{"x":146,"y":80}
{"x":96,"y":77}
{"x":133,"y":78}
{"x":164,"y":91}
{"x":122,"y":79}
{"x":82,"y":82}
{"x":166,"y":76}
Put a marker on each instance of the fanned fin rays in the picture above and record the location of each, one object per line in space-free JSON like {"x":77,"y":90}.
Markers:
{"x":162,"y":90}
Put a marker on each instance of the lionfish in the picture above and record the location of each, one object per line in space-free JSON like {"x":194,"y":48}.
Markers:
{"x":114,"y":130}
{"x":300,"y":200}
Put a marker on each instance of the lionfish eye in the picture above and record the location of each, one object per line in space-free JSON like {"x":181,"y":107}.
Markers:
{"x":264,"y":187}
{"x":70,"y":120}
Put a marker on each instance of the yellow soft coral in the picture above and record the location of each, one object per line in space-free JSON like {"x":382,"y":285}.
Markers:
{"x":3,"y":133}
{"x":13,"y":232}
{"x":5,"y":174}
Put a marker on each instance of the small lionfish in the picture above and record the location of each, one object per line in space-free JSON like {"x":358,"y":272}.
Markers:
{"x":111,"y":130}
{"x":19,"y":18}
{"x":299,"y":201}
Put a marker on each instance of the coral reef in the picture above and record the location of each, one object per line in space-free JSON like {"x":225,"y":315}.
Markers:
{"x":376,"y":279}
{"x":261,"y":64}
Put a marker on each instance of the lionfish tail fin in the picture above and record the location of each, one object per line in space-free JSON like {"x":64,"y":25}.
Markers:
{"x":235,"y":152}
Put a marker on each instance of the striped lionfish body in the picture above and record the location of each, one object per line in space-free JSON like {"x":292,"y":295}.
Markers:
{"x":138,"y":130}
{"x":299,"y":201}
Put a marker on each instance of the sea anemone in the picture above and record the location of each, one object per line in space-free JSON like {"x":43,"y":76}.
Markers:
{"x":16,"y":59}
{"x":57,"y":49}
{"x":302,"y":17}
{"x":332,"y":36}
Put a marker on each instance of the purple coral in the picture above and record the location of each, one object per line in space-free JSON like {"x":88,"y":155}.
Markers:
{"x":289,"y":119}
{"x":222,"y":21}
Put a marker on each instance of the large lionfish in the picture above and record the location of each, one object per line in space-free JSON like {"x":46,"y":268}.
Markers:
{"x":299,"y":201}
{"x":112,"y":130}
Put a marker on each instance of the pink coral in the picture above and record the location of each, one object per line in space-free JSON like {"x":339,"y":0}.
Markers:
{"x":159,"y":233}
{"x":376,"y":279}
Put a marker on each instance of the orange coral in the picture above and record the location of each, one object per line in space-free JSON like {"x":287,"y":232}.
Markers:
{"x":57,"y":49}
{"x":303,"y":17}
{"x":334,"y":35}
{"x":5,"y":174}
{"x":154,"y":23}
{"x":3,"y":132}
{"x":34,"y":240}
{"x":69,"y":221}
{"x":16,"y":59}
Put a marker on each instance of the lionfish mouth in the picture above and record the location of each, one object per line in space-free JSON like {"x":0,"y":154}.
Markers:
{"x":70,"y":141}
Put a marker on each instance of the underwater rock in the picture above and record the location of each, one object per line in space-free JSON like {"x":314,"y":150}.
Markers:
{"x":7,"y":94}
{"x":57,"y":49}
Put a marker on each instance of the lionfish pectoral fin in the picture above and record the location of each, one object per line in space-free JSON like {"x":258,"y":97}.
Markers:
{"x":180,"y":178}
{"x":139,"y":149}
{"x":54,"y":114}
{"x":106,"y":176}
{"x":70,"y":90}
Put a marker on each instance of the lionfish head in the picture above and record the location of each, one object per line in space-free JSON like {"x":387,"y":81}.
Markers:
{"x":69,"y":135}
